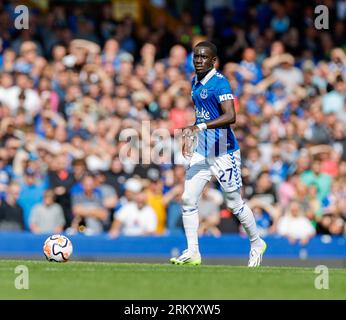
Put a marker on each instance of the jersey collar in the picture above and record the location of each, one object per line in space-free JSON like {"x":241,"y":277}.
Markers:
{"x":207,"y":77}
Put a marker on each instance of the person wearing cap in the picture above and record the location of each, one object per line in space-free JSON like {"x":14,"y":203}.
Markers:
{"x":132,"y":187}
{"x":287,"y":73}
{"x":135,"y":218}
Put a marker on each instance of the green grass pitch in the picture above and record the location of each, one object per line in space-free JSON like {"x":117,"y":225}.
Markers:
{"x":100,"y":280}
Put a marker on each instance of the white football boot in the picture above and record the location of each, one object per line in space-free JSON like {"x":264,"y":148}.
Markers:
{"x":188,"y":257}
{"x":256,"y":254}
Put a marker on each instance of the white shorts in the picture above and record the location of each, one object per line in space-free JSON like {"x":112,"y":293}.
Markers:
{"x":225,"y":168}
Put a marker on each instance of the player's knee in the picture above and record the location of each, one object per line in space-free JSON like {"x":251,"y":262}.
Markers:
{"x":234,"y":202}
{"x":188,"y":202}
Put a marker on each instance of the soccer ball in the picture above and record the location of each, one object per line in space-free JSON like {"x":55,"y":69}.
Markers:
{"x":57,"y":248}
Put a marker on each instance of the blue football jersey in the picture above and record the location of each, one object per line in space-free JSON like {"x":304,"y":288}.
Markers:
{"x":207,"y":95}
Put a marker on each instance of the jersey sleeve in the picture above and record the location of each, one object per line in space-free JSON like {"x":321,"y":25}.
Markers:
{"x":224,"y":91}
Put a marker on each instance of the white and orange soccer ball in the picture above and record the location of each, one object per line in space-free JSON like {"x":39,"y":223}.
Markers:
{"x":58,"y":248}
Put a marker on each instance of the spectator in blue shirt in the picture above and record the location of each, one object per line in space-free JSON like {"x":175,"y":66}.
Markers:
{"x":31,"y":194}
{"x":248,"y":70}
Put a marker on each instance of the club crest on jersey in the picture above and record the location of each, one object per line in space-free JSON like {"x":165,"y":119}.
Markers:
{"x":204,"y":94}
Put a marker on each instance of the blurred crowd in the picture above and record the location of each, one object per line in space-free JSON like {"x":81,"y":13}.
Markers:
{"x":73,"y":82}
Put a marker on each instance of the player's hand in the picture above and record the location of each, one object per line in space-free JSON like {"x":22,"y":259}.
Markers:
{"x":190,"y":131}
{"x":189,"y":141}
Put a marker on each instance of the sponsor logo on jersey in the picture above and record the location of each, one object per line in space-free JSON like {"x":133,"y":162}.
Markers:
{"x":203,"y":114}
{"x":226,"y":96}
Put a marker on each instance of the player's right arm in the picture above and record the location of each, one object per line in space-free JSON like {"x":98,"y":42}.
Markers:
{"x":188,"y":133}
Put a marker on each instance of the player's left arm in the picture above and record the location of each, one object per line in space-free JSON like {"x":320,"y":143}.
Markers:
{"x":227,"y":118}
{"x":223,"y":95}
{"x":225,"y":99}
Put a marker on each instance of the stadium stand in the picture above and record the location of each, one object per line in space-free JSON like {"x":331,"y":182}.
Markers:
{"x":79,"y":80}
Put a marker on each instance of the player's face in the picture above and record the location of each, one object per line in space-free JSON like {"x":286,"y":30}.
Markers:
{"x":203,"y":59}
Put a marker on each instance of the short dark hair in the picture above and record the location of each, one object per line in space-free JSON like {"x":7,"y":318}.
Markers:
{"x":209,"y":45}
{"x":79,"y":162}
